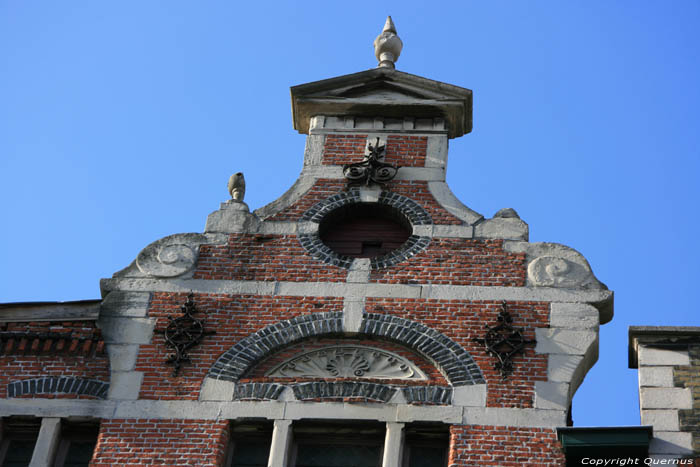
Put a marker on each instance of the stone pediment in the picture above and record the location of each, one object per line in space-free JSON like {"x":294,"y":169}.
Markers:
{"x":383,"y":92}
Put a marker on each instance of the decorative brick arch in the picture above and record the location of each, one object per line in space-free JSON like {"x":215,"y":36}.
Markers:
{"x":452,"y":359}
{"x":58,"y":385}
{"x":411,"y":210}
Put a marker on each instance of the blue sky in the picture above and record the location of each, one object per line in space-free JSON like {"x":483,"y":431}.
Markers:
{"x":120,"y":123}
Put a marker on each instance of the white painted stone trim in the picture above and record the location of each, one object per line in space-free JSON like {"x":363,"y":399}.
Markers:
{"x":665,"y":398}
{"x":551,"y":395}
{"x":281,"y":443}
{"x":650,"y":356}
{"x":655,"y":376}
{"x":216,"y":390}
{"x":661,"y":419}
{"x":444,"y":196}
{"x":393,"y":445}
{"x":671,"y":442}
{"x":47,"y":442}
{"x":321,"y":124}
{"x":339,"y":289}
{"x":283,"y":410}
{"x":352,"y":314}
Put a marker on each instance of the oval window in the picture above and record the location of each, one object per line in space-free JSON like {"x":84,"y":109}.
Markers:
{"x":364,"y":230}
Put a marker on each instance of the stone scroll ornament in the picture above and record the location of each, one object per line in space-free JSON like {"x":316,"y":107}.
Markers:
{"x":348,"y":362}
{"x":183,"y":333}
{"x":372,"y":169}
{"x":170,"y":256}
{"x":503,"y":342}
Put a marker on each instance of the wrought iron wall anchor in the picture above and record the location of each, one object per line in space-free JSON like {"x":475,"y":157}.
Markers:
{"x":183,"y":333}
{"x":503,"y":342}
{"x":372,"y":169}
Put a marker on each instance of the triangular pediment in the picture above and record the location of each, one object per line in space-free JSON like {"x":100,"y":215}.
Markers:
{"x":383,"y":92}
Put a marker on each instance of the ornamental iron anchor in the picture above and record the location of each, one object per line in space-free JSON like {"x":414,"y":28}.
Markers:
{"x":183,"y":333}
{"x":503,"y":342}
{"x":372,"y":169}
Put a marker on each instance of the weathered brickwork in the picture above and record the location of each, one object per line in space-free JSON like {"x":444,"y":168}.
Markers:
{"x":343,"y":149}
{"x":323,"y":188}
{"x":232,"y":317}
{"x":458,"y":261}
{"x":263,"y":258}
{"x":134,"y":442}
{"x":401,"y":150}
{"x":689,"y":377}
{"x":477,"y":445}
{"x":432,"y":373}
{"x":34,"y":352}
{"x":462,"y":321}
{"x":418,"y":191}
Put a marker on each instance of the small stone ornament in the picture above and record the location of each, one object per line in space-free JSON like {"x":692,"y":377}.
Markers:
{"x":387,"y":45}
{"x":236,"y":187}
{"x":372,"y":168}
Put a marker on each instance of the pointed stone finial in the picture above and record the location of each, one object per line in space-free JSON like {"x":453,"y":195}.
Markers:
{"x":387,"y":45}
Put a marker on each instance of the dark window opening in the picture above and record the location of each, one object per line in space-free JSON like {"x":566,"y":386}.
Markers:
{"x":364,"y":230}
{"x":78,"y":441}
{"x":249,"y":445}
{"x":426,"y":445}
{"x":336,"y":445}
{"x":19,"y":438}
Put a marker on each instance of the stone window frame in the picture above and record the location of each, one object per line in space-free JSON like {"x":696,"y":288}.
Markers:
{"x":414,"y":213}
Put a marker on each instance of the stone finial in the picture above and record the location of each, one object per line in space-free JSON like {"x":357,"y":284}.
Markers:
{"x":236,"y":187}
{"x":387,"y":45}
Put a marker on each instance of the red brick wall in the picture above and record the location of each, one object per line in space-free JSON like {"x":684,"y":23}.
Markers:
{"x":403,"y":151}
{"x":433,"y":374}
{"x":263,"y":258}
{"x":343,"y":149}
{"x":232,"y":317}
{"x":323,"y":188}
{"x":462,"y":321}
{"x":121,"y":442}
{"x":81,"y":356}
{"x":458,"y":261}
{"x":505,"y":446}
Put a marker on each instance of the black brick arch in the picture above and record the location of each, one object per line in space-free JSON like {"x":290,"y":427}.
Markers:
{"x":451,"y":358}
{"x":58,"y":385}
{"x":413,"y":211}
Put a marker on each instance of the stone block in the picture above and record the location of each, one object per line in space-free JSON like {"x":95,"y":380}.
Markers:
{"x":122,"y":304}
{"x":573,"y":315}
{"x":661,"y":420}
{"x":671,"y":442}
{"x":649,"y":356}
{"x":127,"y":330}
{"x":508,"y":228}
{"x":122,"y":357}
{"x":564,"y":341}
{"x":473,"y":395}
{"x":656,"y":376}
{"x":352,"y":315}
{"x":665,"y":398}
{"x":216,"y":390}
{"x":562,"y":368}
{"x":549,"y":395}
{"x":46,"y":443}
{"x":436,"y":154}
{"x":125,"y":385}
